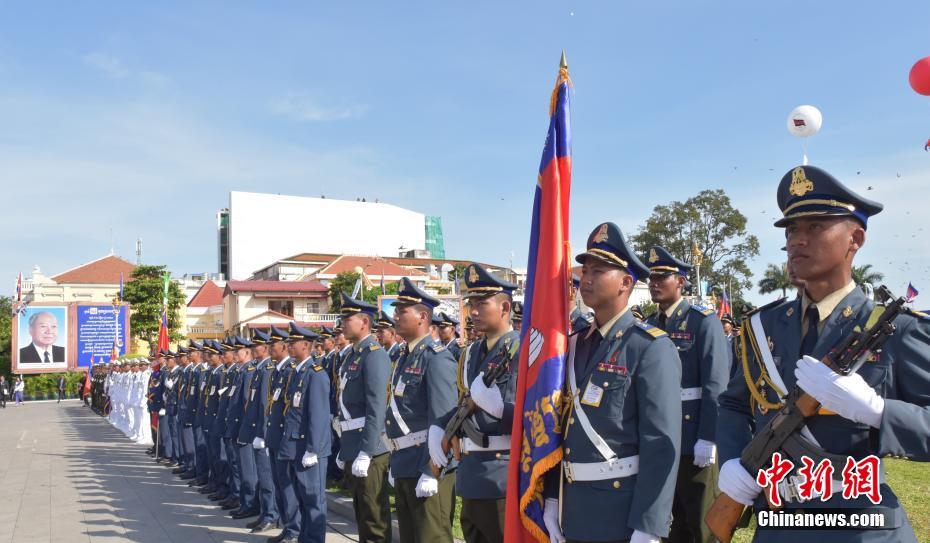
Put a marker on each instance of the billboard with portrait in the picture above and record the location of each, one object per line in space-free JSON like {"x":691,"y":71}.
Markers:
{"x":41,"y":339}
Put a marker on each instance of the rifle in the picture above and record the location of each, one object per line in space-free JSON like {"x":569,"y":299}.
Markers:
{"x":781,"y":433}
{"x":460,"y":423}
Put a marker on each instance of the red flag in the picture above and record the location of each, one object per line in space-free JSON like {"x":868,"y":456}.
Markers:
{"x":163,"y":333}
{"x":536,"y":446}
{"x":724,"y":308}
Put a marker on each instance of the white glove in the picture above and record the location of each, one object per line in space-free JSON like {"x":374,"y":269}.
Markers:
{"x":340,"y":463}
{"x":737,"y":483}
{"x":169,"y":383}
{"x":849,"y":396}
{"x":390,"y":477}
{"x":643,"y":537}
{"x":360,"y":466}
{"x":427,"y":486}
{"x":309,"y":460}
{"x":162,"y":412}
{"x":705,"y":453}
{"x":258,"y":443}
{"x":488,"y":399}
{"x":551,"y":520}
{"x":434,"y":439}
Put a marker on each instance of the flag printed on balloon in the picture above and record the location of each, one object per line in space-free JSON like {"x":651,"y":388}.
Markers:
{"x":536,"y":446}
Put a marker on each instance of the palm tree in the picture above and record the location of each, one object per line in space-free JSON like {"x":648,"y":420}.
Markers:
{"x":774,"y":279}
{"x":864,"y":275}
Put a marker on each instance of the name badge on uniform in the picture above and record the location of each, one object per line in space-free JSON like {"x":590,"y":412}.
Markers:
{"x":296,"y":402}
{"x":212,"y":390}
{"x":592,"y":395}
{"x":232,"y":390}
{"x":399,"y":389}
{"x":277,"y":394}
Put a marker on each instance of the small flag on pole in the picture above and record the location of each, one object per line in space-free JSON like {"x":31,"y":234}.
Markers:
{"x":19,"y":287}
{"x":724,"y":308}
{"x":911,"y":293}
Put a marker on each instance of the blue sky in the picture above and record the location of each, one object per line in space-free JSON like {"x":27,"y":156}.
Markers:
{"x":140,"y":118}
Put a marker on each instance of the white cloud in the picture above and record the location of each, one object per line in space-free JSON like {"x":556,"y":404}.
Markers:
{"x":303,"y":108}
{"x":108,"y":64}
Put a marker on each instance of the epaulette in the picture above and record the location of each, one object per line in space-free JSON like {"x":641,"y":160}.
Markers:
{"x":250,"y":368}
{"x":919,"y":314}
{"x":653,"y":331}
{"x":374,"y":347}
{"x":702,"y":310}
{"x":438,"y":348}
{"x":317,"y":367}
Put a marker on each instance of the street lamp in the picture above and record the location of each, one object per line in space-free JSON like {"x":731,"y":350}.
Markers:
{"x":697,"y":257}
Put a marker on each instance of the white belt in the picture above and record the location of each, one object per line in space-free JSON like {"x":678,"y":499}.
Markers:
{"x":405,"y":442}
{"x":348,"y":425}
{"x":691,"y":394}
{"x":598,"y":471}
{"x":495,"y":443}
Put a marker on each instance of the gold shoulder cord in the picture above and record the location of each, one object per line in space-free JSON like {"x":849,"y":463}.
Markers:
{"x":757,"y":396}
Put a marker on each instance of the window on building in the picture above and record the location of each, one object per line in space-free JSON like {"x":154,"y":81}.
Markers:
{"x":313,"y":307}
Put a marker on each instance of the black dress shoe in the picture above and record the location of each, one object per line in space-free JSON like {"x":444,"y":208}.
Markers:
{"x":178,"y":471}
{"x":188,"y":475}
{"x":207,"y":489}
{"x":173,"y":464}
{"x":276,"y":539}
{"x":243,"y":514}
{"x":230,"y":505}
{"x":263,"y":526}
{"x":254,"y":523}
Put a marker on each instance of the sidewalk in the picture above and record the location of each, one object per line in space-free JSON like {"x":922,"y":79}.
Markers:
{"x":67,"y":476}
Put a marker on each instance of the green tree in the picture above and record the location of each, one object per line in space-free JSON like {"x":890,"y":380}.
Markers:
{"x":709,"y":221}
{"x":144,"y":292}
{"x":774,"y":279}
{"x":6,"y":335}
{"x":458,"y":272}
{"x":865,"y":274}
{"x":345,"y":282}
{"x":648,"y":308}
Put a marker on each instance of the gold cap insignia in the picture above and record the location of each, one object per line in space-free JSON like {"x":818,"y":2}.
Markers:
{"x":790,"y":311}
{"x":472,"y":275}
{"x":800,"y":184}
{"x":601,"y":235}
{"x":652,"y":255}
{"x":848,"y":312}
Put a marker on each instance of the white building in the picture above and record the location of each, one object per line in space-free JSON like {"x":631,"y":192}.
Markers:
{"x":260,"y":228}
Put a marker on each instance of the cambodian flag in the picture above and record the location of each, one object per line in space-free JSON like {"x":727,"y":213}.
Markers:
{"x":536,"y":446}
{"x":724,"y":308}
{"x":163,"y":332}
{"x":911,"y":293}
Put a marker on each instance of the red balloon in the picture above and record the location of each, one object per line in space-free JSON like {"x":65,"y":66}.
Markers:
{"x":920,"y":76}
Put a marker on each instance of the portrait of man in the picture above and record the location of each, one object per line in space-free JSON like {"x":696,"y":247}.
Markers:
{"x":39,"y":347}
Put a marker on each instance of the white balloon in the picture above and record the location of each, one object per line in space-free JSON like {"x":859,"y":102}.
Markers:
{"x":804,"y":121}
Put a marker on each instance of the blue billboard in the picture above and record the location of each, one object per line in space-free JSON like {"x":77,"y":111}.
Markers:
{"x":98,"y":326}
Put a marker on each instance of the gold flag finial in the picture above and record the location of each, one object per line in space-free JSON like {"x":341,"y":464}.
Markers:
{"x":563,"y":62}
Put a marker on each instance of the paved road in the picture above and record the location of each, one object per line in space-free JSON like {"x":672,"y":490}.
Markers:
{"x":67,"y":476}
